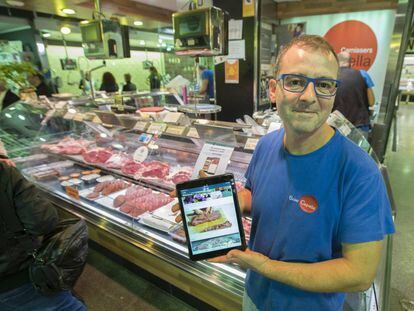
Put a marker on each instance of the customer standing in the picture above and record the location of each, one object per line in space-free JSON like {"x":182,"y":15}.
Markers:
{"x":129,"y":86}
{"x":38,"y":217}
{"x":355,"y":94}
{"x":38,"y":81}
{"x":109,"y":84}
{"x":154,"y":79}
{"x":207,"y":82}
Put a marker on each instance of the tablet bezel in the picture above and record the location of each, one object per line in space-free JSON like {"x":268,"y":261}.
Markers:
{"x":211,"y":181}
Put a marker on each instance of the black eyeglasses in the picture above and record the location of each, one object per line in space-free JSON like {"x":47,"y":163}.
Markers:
{"x":297,"y":84}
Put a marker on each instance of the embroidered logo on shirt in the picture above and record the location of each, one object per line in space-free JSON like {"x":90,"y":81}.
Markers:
{"x":307,"y":203}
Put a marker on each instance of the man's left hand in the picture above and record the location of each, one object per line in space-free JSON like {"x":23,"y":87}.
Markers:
{"x":246,"y":259}
{"x":8,"y":162}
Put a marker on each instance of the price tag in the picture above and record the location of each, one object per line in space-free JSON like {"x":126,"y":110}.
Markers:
{"x":144,"y":138}
{"x":192,"y":132}
{"x":141,"y":154}
{"x":72,"y":192}
{"x":251,"y":143}
{"x":172,"y":117}
{"x":78,"y":117}
{"x":156,"y":128}
{"x":69,"y":116}
{"x":175,"y":129}
{"x":96,"y":120}
{"x":141,"y":126}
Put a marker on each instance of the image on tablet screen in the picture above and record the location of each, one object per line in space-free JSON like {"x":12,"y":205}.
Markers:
{"x":210,"y":215}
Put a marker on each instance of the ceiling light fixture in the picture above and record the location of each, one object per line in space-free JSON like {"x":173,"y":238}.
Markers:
{"x":46,"y":35}
{"x":68,"y":11}
{"x":84,"y":22}
{"x":65,"y":30}
{"x":141,"y":42}
{"x":138,"y":23}
{"x":15,"y":3}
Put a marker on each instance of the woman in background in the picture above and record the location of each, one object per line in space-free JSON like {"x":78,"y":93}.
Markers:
{"x":108,"y":83}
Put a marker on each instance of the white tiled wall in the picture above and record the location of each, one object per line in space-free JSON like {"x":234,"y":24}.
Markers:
{"x":118,"y":67}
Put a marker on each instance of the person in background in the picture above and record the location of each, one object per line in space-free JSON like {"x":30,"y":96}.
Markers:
{"x":7,"y":97}
{"x":207,"y":82}
{"x":129,"y":86}
{"x":38,"y":81}
{"x":154,"y":79}
{"x":319,"y":205}
{"x":355,"y":94}
{"x":84,"y":84}
{"x":38,"y":217}
{"x":109,"y":84}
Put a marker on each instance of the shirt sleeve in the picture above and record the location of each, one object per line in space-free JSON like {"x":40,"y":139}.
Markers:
{"x":367,"y":79}
{"x":366,"y":214}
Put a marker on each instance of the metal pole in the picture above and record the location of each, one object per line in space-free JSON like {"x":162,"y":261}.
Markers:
{"x":97,"y":4}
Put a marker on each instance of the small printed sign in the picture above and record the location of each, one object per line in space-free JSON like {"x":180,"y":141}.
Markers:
{"x":192,"y":132}
{"x":251,"y":143}
{"x":141,"y":126}
{"x":141,"y":154}
{"x":157,"y":128}
{"x":175,"y":129}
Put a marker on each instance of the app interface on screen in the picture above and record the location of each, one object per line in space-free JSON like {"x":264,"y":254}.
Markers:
{"x":211,"y":217}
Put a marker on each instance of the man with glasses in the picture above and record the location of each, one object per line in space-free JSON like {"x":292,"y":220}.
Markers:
{"x":318,"y":202}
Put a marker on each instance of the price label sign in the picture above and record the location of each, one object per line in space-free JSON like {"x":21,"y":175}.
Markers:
{"x":251,"y":143}
{"x":141,"y":154}
{"x":72,"y":192}
{"x":175,"y":129}
{"x":156,"y":128}
{"x":172,"y":117}
{"x":141,"y":126}
{"x":78,"y":117}
{"x":192,"y":132}
{"x":69,"y":115}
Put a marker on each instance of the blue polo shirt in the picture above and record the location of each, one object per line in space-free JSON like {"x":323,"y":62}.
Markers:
{"x":208,"y":74}
{"x":305,"y":206}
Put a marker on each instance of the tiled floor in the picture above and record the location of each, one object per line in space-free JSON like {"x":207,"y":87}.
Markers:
{"x":401,"y":169}
{"x":106,"y":286}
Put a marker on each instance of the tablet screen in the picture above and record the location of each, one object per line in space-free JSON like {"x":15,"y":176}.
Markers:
{"x":211,"y":217}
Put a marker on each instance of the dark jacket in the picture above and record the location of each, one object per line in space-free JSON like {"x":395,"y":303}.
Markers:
{"x":44,"y":89}
{"x":38,"y":217}
{"x":9,"y":99}
{"x":109,"y":88}
{"x":129,"y":87}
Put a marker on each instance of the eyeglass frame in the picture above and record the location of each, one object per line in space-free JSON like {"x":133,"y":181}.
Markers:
{"x":308,"y":80}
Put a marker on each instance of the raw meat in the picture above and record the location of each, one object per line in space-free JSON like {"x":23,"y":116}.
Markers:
{"x":204,"y":217}
{"x":131,"y":167}
{"x":97,"y":155}
{"x":108,"y":187}
{"x":136,"y":206}
{"x":226,"y":224}
{"x":136,"y":192}
{"x":119,"y":200}
{"x":181,"y":176}
{"x":153,"y":169}
{"x":239,"y":186}
{"x":118,"y":160}
{"x":68,"y":145}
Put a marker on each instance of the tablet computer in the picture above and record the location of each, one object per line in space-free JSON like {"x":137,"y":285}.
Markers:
{"x":211,"y":216}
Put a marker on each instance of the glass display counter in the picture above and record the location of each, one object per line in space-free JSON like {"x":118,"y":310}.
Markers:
{"x":118,"y":180}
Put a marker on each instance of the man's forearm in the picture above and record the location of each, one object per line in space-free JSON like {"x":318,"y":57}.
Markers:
{"x":334,"y":275}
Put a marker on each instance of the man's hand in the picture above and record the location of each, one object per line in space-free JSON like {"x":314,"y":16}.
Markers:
{"x":8,"y":162}
{"x":246,"y":259}
{"x":173,"y":194}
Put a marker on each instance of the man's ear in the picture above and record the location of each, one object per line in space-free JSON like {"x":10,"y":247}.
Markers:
{"x":272,"y":90}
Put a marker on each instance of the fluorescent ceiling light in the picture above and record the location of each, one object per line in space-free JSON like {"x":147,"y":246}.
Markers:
{"x":15,"y":3}
{"x":65,"y":30}
{"x":84,"y":22}
{"x":68,"y":11}
{"x":138,"y":23}
{"x":46,"y":35}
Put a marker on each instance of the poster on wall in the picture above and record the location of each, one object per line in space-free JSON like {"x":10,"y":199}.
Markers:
{"x":248,"y":8}
{"x":297,"y":29}
{"x":231,"y":71}
{"x":356,"y":38}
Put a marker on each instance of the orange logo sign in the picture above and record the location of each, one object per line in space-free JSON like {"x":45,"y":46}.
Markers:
{"x":308,"y":204}
{"x":356,"y":38}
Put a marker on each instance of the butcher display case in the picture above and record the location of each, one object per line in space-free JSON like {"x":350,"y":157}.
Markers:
{"x":119,"y":179}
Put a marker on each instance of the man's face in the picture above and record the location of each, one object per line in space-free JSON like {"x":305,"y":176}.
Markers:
{"x":304,"y":113}
{"x":34,"y":80}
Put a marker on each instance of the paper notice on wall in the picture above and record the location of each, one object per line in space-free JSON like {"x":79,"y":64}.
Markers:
{"x":231,"y":71}
{"x":220,"y":59}
{"x":213,"y":160}
{"x":237,"y":49}
{"x":235,"y":29}
{"x":248,"y":8}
